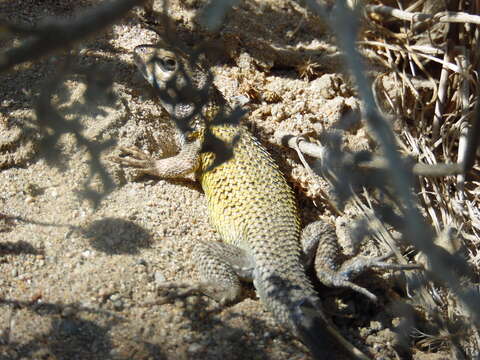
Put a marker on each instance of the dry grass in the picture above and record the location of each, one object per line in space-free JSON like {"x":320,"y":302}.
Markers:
{"x":428,"y":82}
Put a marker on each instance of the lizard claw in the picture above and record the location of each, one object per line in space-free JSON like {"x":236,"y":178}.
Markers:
{"x":334,"y":279}
{"x":139,"y":160}
{"x":355,"y":266}
{"x":134,"y":151}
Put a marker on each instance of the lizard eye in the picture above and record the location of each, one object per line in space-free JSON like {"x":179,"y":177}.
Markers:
{"x":168,"y":64}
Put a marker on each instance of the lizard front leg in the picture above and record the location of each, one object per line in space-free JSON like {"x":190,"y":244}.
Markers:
{"x":321,"y":249}
{"x":184,"y":163}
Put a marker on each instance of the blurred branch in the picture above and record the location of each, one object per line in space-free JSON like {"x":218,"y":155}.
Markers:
{"x":464,"y":90}
{"x":444,"y":16}
{"x":214,"y":12}
{"x":374,"y":163}
{"x":294,"y":143}
{"x":54,"y":125}
{"x":442,"y":93}
{"x":55,"y":34}
{"x":473,"y":140}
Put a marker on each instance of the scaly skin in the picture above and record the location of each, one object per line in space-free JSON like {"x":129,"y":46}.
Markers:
{"x":249,"y":203}
{"x":252,"y":207}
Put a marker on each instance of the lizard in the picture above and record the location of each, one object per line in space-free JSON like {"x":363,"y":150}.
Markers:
{"x":249,"y":202}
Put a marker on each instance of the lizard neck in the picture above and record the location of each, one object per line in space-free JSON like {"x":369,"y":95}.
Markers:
{"x":216,"y":107}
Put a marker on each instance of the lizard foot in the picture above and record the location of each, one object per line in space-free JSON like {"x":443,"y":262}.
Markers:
{"x":182,"y":165}
{"x":139,"y":160}
{"x":321,"y":249}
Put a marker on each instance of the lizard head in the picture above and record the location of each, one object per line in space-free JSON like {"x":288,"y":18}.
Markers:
{"x":157,"y":65}
{"x":183,"y":88}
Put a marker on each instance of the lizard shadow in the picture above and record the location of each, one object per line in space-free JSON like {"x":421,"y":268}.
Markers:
{"x":116,"y":236}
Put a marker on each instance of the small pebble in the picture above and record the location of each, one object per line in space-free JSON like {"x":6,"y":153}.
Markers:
{"x":118,"y":305}
{"x":141,"y":262}
{"x":195,"y":347}
{"x":87,"y":254}
{"x":68,"y":311}
{"x":159,"y":278}
{"x":376,"y":325}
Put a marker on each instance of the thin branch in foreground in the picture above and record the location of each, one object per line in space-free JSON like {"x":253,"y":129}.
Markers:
{"x":54,"y":125}
{"x":473,"y":141}
{"x":444,"y":16}
{"x":320,"y":152}
{"x":442,"y":92}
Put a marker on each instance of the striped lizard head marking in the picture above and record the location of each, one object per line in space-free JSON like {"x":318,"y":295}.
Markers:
{"x":157,"y":65}
{"x":183,"y":87}
{"x":177,"y":82}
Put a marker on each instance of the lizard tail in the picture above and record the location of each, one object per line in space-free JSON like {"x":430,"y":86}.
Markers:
{"x":298,"y":307}
{"x":316,"y":331}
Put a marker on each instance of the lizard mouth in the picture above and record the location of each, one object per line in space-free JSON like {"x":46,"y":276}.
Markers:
{"x":142,"y":56}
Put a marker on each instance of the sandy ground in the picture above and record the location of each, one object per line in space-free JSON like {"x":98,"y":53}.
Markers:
{"x":84,"y":283}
